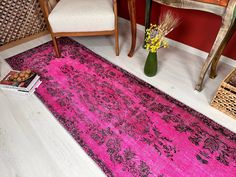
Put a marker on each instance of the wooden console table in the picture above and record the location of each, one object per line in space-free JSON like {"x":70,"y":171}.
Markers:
{"x":224,"y":8}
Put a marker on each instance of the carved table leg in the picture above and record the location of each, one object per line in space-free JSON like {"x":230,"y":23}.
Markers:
{"x":132,"y":14}
{"x":204,"y":69}
{"x":221,"y":40}
{"x":147,"y":18}
{"x":224,"y":42}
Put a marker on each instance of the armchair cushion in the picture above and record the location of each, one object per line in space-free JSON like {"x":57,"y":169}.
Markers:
{"x":82,"y":16}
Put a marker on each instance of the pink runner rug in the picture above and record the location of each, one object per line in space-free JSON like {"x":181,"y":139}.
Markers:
{"x":127,"y":126}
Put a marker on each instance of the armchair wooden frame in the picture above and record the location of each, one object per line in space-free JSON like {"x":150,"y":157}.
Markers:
{"x":227,"y":13}
{"x":46,"y":11}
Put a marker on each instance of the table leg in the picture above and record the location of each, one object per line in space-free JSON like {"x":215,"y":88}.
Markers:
{"x":212,"y":60}
{"x":226,"y":31}
{"x":225,"y":40}
{"x":132,"y":14}
{"x":147,"y":18}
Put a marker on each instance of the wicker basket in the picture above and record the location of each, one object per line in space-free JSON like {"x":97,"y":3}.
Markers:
{"x":225,"y":98}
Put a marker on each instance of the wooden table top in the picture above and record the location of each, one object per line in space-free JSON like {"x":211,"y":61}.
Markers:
{"x":216,"y":2}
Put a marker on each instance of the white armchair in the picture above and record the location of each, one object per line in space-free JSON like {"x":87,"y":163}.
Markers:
{"x":81,"y":18}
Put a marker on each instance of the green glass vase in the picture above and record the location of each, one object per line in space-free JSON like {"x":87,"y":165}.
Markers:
{"x":150,"y":68}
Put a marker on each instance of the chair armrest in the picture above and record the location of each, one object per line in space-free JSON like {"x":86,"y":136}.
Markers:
{"x":45,"y":8}
{"x":115,"y":7}
{"x":46,"y":11}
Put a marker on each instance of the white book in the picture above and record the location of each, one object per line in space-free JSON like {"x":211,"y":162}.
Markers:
{"x":22,"y":92}
{"x":25,"y":85}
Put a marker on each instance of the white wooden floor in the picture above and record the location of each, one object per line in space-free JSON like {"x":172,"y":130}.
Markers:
{"x":33,"y":144}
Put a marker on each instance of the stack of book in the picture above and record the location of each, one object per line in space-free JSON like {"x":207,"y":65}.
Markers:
{"x":21,"y":82}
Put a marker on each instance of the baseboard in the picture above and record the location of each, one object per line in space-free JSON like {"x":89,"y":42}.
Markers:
{"x":23,"y":40}
{"x":200,"y":53}
{"x":187,"y":48}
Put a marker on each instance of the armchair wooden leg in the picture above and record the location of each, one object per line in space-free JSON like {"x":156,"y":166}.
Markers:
{"x":225,"y":40}
{"x":117,"y":41}
{"x":56,"y":49}
{"x":222,"y":38}
{"x":116,"y":29}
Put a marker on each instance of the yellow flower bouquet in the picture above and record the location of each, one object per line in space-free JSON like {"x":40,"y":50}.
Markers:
{"x":155,"y":39}
{"x":155,"y":35}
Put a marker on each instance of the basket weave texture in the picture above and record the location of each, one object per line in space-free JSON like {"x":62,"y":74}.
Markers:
{"x":20,"y":19}
{"x":225,"y":98}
